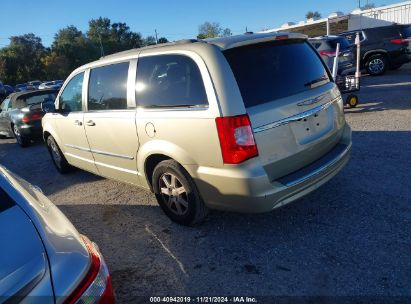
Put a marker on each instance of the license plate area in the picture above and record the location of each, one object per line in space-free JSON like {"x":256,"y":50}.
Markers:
{"x":313,"y":127}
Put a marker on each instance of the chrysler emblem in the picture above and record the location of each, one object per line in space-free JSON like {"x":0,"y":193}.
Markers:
{"x":311,"y":101}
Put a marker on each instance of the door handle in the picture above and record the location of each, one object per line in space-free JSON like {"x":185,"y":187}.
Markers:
{"x":78,"y":123}
{"x":90,"y":123}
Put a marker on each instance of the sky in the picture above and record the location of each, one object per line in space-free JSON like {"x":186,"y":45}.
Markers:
{"x":173,"y":19}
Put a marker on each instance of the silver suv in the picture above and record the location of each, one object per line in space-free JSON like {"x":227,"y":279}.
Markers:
{"x":244,"y":123}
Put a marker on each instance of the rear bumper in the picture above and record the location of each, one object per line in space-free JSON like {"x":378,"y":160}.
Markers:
{"x":34,"y":131}
{"x":250,"y":190}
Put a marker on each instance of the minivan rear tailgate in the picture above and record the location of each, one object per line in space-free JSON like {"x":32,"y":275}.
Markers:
{"x":295,"y":108}
{"x":295,"y":131}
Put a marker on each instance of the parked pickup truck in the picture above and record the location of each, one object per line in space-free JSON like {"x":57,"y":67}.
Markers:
{"x":21,"y":114}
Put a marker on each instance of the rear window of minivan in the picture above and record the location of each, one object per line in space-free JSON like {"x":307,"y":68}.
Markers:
{"x":273,"y":70}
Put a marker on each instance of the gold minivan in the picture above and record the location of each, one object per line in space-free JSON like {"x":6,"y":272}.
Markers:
{"x":244,"y":123}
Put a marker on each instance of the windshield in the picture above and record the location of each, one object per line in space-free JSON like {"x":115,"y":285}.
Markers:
{"x":273,"y":70}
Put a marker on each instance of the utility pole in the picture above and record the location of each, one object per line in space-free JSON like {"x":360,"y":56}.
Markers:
{"x":156,"y":36}
{"x":101,"y":46}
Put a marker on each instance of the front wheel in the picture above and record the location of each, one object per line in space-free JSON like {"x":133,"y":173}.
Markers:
{"x":20,"y":138}
{"x":177,"y":194}
{"x":57,"y":156}
{"x":376,"y":65}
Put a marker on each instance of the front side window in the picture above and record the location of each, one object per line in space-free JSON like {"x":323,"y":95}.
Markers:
{"x":169,"y":81}
{"x":107,"y":88}
{"x":71,"y":98}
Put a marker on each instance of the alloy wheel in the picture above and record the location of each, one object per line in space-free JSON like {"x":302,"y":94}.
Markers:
{"x":55,"y":153}
{"x":376,"y":65}
{"x":173,"y":193}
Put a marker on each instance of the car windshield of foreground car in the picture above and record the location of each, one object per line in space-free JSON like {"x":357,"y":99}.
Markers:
{"x":274,"y":70}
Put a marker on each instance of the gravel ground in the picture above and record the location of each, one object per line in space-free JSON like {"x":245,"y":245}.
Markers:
{"x":351,"y":237}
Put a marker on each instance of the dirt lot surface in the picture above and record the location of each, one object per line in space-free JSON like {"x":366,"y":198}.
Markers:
{"x":350,"y":237}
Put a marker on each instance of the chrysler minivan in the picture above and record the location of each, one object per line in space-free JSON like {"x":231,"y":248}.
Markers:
{"x":244,"y":123}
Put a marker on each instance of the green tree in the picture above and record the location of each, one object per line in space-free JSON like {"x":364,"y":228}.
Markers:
{"x":162,"y":40}
{"x":212,"y":30}
{"x":150,"y":40}
{"x":112,"y":37}
{"x":311,"y":15}
{"x":21,"y":61}
{"x":72,"y":44}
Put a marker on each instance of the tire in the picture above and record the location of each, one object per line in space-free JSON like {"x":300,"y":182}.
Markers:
{"x":57,"y":156}
{"x":352,"y":101}
{"x":376,"y":65}
{"x":177,"y":194}
{"x":22,"y":141}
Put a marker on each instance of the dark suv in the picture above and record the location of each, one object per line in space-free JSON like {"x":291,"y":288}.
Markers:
{"x":326,"y":46}
{"x":383,"y":47}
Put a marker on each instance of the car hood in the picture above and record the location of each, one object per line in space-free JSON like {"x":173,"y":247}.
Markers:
{"x":23,"y":261}
{"x":67,"y":254}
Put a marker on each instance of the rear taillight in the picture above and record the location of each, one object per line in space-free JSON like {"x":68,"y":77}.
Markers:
{"x":330,"y":54}
{"x":33,"y":116}
{"x":96,"y":285}
{"x":400,"y":41}
{"x":236,"y":139}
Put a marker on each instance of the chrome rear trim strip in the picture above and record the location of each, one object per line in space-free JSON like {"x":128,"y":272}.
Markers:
{"x":78,"y":148}
{"x":100,"y":152}
{"x":296,"y":117}
{"x":112,"y":154}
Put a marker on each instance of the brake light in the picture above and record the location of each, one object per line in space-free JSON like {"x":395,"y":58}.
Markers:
{"x":33,"y":116}
{"x":330,"y":54}
{"x":236,"y":139}
{"x":282,"y":37}
{"x":96,"y":286}
{"x":400,"y":41}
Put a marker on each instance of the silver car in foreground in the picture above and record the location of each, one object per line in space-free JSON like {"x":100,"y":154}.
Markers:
{"x":43,"y":259}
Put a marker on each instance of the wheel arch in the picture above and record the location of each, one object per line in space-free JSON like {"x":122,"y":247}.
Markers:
{"x":375,"y":52}
{"x":153,"y":152}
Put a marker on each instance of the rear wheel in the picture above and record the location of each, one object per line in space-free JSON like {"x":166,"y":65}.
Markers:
{"x":177,"y":194}
{"x":20,"y":138}
{"x":376,"y":65}
{"x":57,"y":156}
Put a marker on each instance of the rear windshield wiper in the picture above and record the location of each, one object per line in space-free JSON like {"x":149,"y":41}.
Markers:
{"x":316,"y":81}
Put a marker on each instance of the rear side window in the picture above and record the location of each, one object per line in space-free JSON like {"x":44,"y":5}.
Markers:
{"x":344,"y":43}
{"x":317,"y":45}
{"x":169,"y":81}
{"x":71,"y":98}
{"x":107,"y":88}
{"x":5,"y":104}
{"x":274,"y":70}
{"x":406,"y":32}
{"x":351,"y":37}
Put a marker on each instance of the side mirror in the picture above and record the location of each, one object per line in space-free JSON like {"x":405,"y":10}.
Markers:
{"x":48,"y":107}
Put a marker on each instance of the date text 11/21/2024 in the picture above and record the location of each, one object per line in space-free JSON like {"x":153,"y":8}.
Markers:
{"x":203,"y":300}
